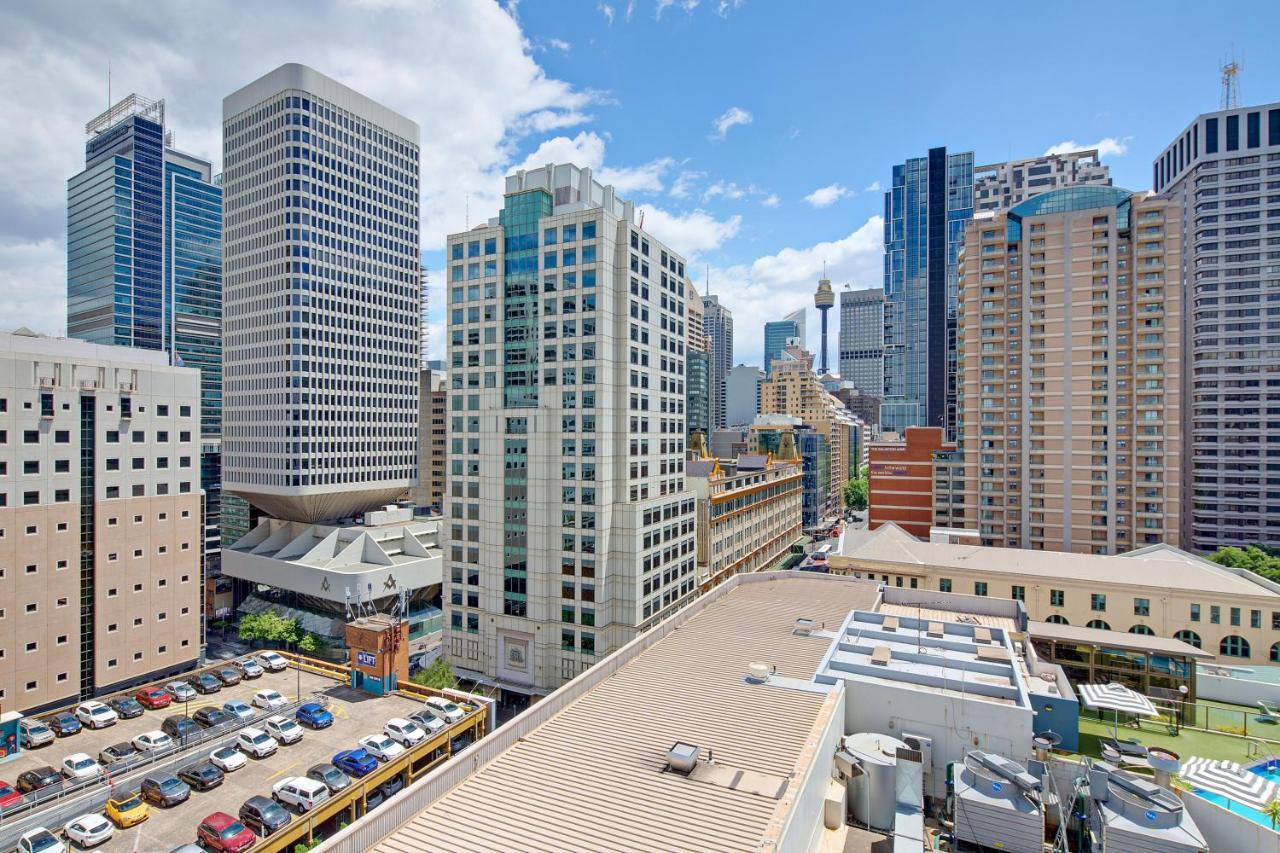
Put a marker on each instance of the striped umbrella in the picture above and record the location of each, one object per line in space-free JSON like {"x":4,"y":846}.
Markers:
{"x":1118,"y":698}
{"x":1230,"y":780}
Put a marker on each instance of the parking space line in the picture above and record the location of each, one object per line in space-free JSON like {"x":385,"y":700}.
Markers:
{"x":283,"y":771}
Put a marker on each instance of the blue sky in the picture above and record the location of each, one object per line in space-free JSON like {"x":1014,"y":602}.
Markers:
{"x":835,"y":93}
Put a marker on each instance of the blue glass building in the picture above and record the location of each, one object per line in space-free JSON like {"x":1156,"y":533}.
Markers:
{"x":778,"y":332}
{"x":925,"y":211}
{"x":144,"y":263}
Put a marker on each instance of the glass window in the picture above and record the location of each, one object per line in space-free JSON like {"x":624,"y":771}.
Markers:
{"x":455,"y":252}
{"x":1234,"y":646}
{"x":490,"y":245}
{"x":1057,"y":598}
{"x":1018,"y":593}
{"x":1253,"y":124}
{"x":1211,"y":136}
{"x":1215,"y":614}
{"x":549,"y":237}
{"x":1098,"y":602}
{"x":1195,"y":613}
{"x":979,"y":587}
{"x":473,"y":249}
{"x":1235,"y":617}
{"x":944,"y":584}
{"x":1233,"y":133}
{"x":1142,"y":607}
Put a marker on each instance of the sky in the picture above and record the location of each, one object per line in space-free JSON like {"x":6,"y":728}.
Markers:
{"x":756,"y":135}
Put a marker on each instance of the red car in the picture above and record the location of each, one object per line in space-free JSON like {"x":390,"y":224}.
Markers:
{"x":153,"y":698}
{"x":8,"y":795}
{"x":220,"y":831}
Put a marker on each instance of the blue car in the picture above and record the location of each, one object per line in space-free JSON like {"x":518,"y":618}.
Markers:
{"x":355,"y":762}
{"x":64,"y":724}
{"x":315,"y":716}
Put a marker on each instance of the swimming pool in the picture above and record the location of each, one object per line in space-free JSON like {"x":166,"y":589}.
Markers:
{"x":1269,"y":770}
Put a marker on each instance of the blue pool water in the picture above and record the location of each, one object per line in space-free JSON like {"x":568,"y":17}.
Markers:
{"x":1270,"y":771}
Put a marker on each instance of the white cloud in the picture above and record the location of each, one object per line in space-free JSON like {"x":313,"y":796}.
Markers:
{"x":683,"y":185}
{"x":631,"y":10}
{"x":690,"y":233}
{"x":727,"y":189}
{"x":1108,"y":147}
{"x":559,"y":44}
{"x":587,"y":149}
{"x":663,"y":5}
{"x":771,"y":200}
{"x":874,"y":187}
{"x":828,"y":195}
{"x":607,"y":11}
{"x":722,"y":9}
{"x":28,"y":271}
{"x":646,"y":178}
{"x":731,"y":117}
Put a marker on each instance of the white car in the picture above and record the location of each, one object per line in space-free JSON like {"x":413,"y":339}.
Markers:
{"x":269,"y":700}
{"x":250,"y":667}
{"x":301,"y":792}
{"x":80,"y":766}
{"x":256,"y":742}
{"x":284,"y":730}
{"x":403,"y":732}
{"x":96,"y":715}
{"x":228,"y":759}
{"x":381,"y":747}
{"x":272,"y":662}
{"x":429,"y":723}
{"x":239,"y":709}
{"x":441,"y":707}
{"x":40,"y":840}
{"x":152,"y":741}
{"x":181,"y":691}
{"x":89,"y":830}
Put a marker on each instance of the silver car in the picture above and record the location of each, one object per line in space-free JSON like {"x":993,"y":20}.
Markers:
{"x":33,"y":733}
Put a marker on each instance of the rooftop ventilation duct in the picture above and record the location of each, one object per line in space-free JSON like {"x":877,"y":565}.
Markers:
{"x":758,"y":673}
{"x":804,"y":627}
{"x":682,"y":757}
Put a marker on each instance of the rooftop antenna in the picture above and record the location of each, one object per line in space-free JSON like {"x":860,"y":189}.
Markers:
{"x":708,"y":279}
{"x":1230,"y":85}
{"x":468,"y":212}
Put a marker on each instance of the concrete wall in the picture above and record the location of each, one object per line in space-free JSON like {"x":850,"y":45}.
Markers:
{"x":804,"y":825}
{"x":1237,"y":689}
{"x":1226,"y":831}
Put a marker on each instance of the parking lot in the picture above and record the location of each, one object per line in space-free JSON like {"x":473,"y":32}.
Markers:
{"x":356,"y":714}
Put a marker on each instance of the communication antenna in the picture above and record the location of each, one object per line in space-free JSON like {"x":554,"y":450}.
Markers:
{"x":1230,"y":85}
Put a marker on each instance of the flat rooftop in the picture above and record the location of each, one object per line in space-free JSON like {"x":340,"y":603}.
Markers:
{"x":592,"y":776}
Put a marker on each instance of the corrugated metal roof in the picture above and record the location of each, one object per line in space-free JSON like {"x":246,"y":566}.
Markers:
{"x":939,"y":615}
{"x":591,"y":778}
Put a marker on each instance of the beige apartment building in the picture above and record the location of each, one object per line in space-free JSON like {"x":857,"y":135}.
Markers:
{"x":1158,"y":590}
{"x":1070,"y":344}
{"x":100,"y":519}
{"x":432,"y":440}
{"x":749,"y":512}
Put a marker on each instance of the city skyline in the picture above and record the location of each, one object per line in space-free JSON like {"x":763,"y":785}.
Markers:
{"x":570,"y":99}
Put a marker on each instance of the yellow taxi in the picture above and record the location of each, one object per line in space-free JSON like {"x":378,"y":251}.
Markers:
{"x":127,"y":811}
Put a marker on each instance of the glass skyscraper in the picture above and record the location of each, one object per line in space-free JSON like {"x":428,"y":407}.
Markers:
{"x":144,"y":262}
{"x":925,"y":211}
{"x":778,"y":332}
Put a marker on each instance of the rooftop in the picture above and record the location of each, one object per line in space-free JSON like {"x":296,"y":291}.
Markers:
{"x":1116,"y":639}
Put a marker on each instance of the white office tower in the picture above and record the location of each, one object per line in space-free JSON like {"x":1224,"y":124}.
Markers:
{"x":321,"y":297}
{"x":571,"y":526}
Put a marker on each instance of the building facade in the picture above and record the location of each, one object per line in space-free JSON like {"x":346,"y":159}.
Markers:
{"x":862,"y":340}
{"x":433,"y":443}
{"x":717,"y":324}
{"x":900,"y":480}
{"x":697,"y":368}
{"x":571,"y":524}
{"x":321,"y":298}
{"x":742,"y":394}
{"x":1000,"y":186}
{"x":100,"y":501}
{"x":1071,"y":317}
{"x":1221,"y":171}
{"x":788,"y":438}
{"x":779,"y":333}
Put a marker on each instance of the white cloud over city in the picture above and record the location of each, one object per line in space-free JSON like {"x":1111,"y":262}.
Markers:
{"x":1110,"y":146}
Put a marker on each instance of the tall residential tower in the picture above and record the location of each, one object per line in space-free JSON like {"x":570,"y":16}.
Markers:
{"x":862,"y":340}
{"x":717,"y":322}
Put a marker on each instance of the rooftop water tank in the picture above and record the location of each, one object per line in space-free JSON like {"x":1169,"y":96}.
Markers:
{"x":872,"y":796}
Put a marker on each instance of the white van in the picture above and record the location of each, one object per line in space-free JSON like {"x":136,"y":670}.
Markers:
{"x":301,"y":792}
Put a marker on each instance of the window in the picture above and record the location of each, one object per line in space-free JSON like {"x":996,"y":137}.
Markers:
{"x":979,"y":587}
{"x":1215,"y":614}
{"x":1235,"y":617}
{"x":1018,"y":593}
{"x":1057,"y":598}
{"x":1195,"y":613}
{"x":1232,"y":645}
{"x":1055,"y":619}
{"x":1143,"y":630}
{"x":1142,"y":607}
{"x":1098,"y":625}
{"x":944,"y":584}
{"x":1255,"y":618}
{"x":1191,"y":638}
{"x":1098,"y":602}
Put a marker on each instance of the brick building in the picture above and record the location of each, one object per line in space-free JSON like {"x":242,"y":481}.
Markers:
{"x":900,"y":479}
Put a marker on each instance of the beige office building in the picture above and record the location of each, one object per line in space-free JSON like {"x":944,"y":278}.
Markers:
{"x":100,"y":519}
{"x":1070,"y":344}
{"x":432,"y":440}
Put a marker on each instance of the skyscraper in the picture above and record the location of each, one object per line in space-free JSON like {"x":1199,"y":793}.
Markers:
{"x":742,"y":394}
{"x":1071,"y":337}
{"x":572,"y":527}
{"x":1002,"y":185}
{"x":924,"y":214}
{"x":718,"y":325}
{"x":1214,"y":170}
{"x":322,"y":297}
{"x":862,"y":340}
{"x":144,"y":262}
{"x":697,"y":368}
{"x":778,"y":332}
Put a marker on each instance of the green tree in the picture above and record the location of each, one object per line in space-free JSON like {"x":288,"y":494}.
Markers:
{"x":439,"y":675}
{"x":251,"y":628}
{"x":856,"y":491}
{"x":308,"y":644}
{"x":1260,"y":559}
{"x":1272,"y":810}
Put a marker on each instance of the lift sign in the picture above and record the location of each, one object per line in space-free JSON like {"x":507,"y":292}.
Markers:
{"x":367,"y":658}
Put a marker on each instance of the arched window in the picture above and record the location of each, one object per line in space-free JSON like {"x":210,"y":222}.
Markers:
{"x":1234,"y":646}
{"x":1275,"y":652}
{"x":1055,"y":619}
{"x":1143,"y":630}
{"x":1191,"y":638}
{"x":1099,"y":624}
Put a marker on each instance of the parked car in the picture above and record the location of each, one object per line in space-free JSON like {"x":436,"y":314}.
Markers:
{"x":392,"y":786}
{"x":448,"y":711}
{"x":250,"y":668}
{"x":33,"y":733}
{"x":373,"y":799}
{"x":126,"y":707}
{"x":127,"y":811}
{"x":220,"y":831}
{"x":403,"y":732}
{"x":272,"y":662}
{"x":203,"y":776}
{"x":331,"y":776}
{"x":228,"y":759}
{"x":315,"y":715}
{"x":263,"y":815}
{"x":228,"y":675}
{"x":210,"y":717}
{"x":381,"y":747}
{"x":153,"y":741}
{"x":283,"y":729}
{"x":89,"y":830}
{"x":96,"y":715}
{"x":204,"y":682}
{"x":269,"y":700}
{"x":9,"y":795}
{"x":38,"y":779}
{"x":117,"y":752}
{"x":239,"y":709}
{"x":300,"y":792}
{"x":80,"y":766}
{"x":153,"y":698}
{"x":256,"y":742}
{"x":355,"y":762}
{"x":40,"y":840}
{"x":65,"y":724}
{"x":180,"y":691}
{"x":164,"y":789}
{"x":429,"y":723}
{"x":177,"y":726}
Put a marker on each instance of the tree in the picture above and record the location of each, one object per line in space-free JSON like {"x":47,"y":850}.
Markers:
{"x":439,"y":675}
{"x":856,"y":491}
{"x":251,"y":628}
{"x":1272,"y":810}
{"x":269,"y":628}
{"x":312,"y":643}
{"x":1260,"y":559}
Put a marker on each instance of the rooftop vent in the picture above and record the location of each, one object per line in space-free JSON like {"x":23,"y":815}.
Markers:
{"x":881,"y":656}
{"x":804,"y":627}
{"x":890,"y":623}
{"x":682,"y":757}
{"x":758,"y":673}
{"x":981,"y":635}
{"x":936,"y":629}
{"x":993,"y":653}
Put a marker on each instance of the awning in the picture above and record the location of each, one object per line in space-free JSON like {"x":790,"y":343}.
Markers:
{"x":1230,"y":780}
{"x":1116,"y":697}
